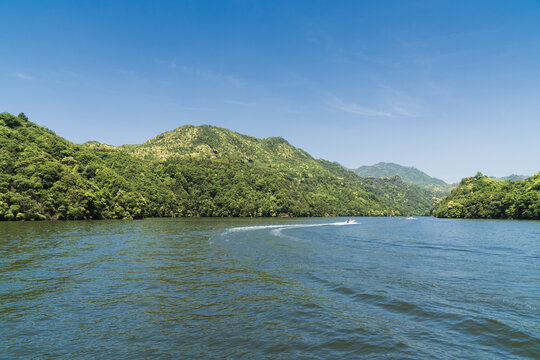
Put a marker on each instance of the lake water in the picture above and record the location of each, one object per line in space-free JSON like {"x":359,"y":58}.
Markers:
{"x":270,"y":288}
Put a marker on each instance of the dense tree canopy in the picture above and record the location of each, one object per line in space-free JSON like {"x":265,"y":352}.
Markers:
{"x":191,"y":171}
{"x":489,"y":198}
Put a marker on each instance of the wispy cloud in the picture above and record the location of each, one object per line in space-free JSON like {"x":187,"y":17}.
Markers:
{"x":125,"y":72}
{"x":169,"y":63}
{"x":239,"y":103}
{"x":22,"y":76}
{"x":359,"y":109}
{"x":265,"y":105}
{"x":193,"y":108}
{"x":286,"y":110}
{"x":201,"y":73}
{"x":400,"y":102}
{"x":208,"y":74}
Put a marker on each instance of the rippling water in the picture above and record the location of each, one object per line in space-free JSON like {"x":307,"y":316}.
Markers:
{"x":270,"y":288}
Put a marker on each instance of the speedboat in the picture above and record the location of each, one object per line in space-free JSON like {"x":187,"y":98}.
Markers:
{"x":351,"y":221}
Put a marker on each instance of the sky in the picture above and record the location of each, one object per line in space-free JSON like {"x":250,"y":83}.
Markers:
{"x":449,"y":87}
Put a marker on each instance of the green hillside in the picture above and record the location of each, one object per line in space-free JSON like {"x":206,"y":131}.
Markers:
{"x":190,"y":171}
{"x":489,"y":198}
{"x":314,"y":177}
{"x":43,"y":176}
{"x":513,"y":177}
{"x":407,"y":173}
{"x":211,"y":142}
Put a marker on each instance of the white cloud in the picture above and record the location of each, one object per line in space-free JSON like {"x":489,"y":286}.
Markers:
{"x":391,"y":103}
{"x":22,"y":76}
{"x":202,"y":73}
{"x":359,"y":109}
{"x":207,"y":74}
{"x":401,"y":103}
{"x":239,"y":103}
{"x":266,"y":105}
{"x":168,"y":63}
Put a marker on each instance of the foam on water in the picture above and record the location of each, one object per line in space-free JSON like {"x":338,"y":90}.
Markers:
{"x":276,"y":230}
{"x":285,"y":226}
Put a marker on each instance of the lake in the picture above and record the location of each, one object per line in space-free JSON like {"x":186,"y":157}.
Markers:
{"x":270,"y":288}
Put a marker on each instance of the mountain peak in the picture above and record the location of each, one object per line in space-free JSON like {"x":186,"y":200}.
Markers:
{"x":407,"y":173}
{"x":207,"y":141}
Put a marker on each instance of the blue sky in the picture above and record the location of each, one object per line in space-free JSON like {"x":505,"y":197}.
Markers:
{"x":450,"y":87}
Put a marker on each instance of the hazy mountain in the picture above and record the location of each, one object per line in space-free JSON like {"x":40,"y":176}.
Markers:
{"x":514,"y":177}
{"x":407,"y":173}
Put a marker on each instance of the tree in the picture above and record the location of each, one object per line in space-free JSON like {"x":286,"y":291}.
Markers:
{"x":23,"y":117}
{"x":10,"y":120}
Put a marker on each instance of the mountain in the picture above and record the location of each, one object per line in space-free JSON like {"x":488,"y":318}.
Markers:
{"x":313,"y":177}
{"x":489,"y":198}
{"x":190,"y":171}
{"x":513,"y":177}
{"x":410,"y":175}
{"x":407,"y":173}
{"x":43,"y":176}
{"x":211,"y":142}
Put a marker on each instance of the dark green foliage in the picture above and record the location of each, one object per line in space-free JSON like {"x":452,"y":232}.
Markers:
{"x":489,"y":198}
{"x":191,"y":171}
{"x":10,"y":121}
{"x":412,"y":198}
{"x":42,"y":176}
{"x":23,"y":117}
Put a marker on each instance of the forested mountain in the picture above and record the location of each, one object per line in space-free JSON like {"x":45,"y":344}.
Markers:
{"x":190,"y":171}
{"x":407,"y":173}
{"x":43,"y":176}
{"x":485,"y":197}
{"x":211,"y":142}
{"x":513,"y":177}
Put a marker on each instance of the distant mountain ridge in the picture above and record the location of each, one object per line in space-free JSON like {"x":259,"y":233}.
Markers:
{"x":514,"y":177}
{"x":407,"y":173}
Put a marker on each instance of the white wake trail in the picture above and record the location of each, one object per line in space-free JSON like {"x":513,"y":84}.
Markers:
{"x":277,"y":229}
{"x":285,"y":226}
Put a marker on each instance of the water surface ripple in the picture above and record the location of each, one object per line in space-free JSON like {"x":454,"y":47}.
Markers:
{"x":270,"y":288}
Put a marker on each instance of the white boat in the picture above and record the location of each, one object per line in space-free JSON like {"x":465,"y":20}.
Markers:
{"x":351,"y":221}
{"x":411,"y":218}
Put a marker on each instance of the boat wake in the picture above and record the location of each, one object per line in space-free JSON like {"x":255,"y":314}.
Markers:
{"x":275,"y":230}
{"x":285,"y":226}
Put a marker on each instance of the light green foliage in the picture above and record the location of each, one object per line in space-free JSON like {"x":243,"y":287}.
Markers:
{"x":513,"y":177}
{"x":191,"y":171}
{"x":408,"y":174}
{"x":411,"y":175}
{"x":489,"y":198}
